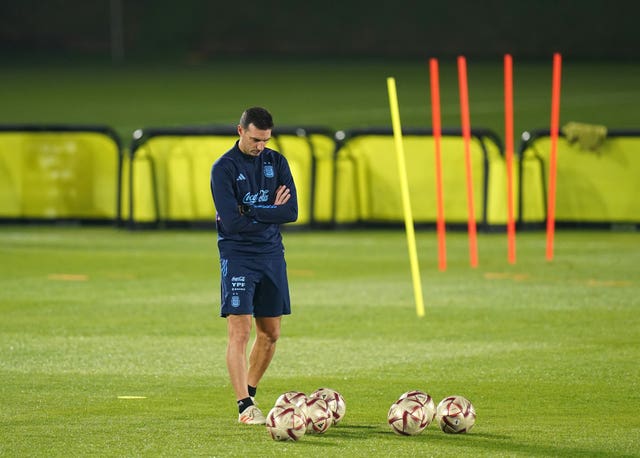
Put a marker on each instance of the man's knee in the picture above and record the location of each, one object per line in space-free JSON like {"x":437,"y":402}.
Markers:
{"x":268,"y":329}
{"x":238,"y":329}
{"x":272,"y":335}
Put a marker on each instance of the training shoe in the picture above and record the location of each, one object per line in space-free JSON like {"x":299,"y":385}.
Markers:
{"x":252,"y":416}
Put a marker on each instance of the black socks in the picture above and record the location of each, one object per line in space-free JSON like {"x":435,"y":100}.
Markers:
{"x":244,"y":403}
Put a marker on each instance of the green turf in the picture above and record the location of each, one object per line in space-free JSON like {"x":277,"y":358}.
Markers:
{"x":337,"y":94}
{"x":547,"y":351}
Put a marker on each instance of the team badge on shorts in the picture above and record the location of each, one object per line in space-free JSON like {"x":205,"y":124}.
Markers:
{"x":235,"y":301}
{"x":268,"y":171}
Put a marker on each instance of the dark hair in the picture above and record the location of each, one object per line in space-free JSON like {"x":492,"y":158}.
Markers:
{"x":257,"y":116}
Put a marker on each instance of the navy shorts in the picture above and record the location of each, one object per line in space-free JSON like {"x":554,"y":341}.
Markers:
{"x":254,"y":286}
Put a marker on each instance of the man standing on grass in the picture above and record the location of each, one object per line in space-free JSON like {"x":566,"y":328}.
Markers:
{"x":253,"y":192}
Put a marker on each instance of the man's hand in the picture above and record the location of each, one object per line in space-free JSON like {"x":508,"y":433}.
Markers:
{"x":282,"y":195}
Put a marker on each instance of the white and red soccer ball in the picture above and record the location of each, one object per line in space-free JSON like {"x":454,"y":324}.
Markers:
{"x":286,"y":422}
{"x":334,"y":399}
{"x":411,"y":413}
{"x":319,"y":415}
{"x":291,"y":397}
{"x":425,"y":399}
{"x":455,"y":415}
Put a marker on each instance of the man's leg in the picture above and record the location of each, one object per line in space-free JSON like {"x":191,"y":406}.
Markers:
{"x":263,"y":349}
{"x":238,"y":333}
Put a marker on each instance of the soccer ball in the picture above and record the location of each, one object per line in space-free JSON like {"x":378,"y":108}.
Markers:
{"x":408,"y":417}
{"x":319,"y":415}
{"x":286,"y":423}
{"x":334,"y":399}
{"x":456,"y":415}
{"x":292,"y":397}
{"x":424,"y":399}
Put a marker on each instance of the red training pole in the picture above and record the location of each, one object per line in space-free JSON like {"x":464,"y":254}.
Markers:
{"x":437,"y":134}
{"x":508,"y":139}
{"x":466,"y":133}
{"x":555,"y":126}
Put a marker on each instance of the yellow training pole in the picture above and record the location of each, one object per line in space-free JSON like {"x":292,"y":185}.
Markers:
{"x":406,"y":203}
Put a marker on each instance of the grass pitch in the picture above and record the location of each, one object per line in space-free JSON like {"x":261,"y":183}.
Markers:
{"x":547,"y":352}
{"x":340,"y":94}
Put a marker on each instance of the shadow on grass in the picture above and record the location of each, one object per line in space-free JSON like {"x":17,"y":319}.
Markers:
{"x":498,"y":444}
{"x":336,"y":435}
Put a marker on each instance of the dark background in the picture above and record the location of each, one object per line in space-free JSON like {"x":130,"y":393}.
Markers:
{"x":200,"y":30}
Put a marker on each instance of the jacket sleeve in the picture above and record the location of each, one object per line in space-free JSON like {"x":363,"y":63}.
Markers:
{"x":280,"y":214}
{"x":224,"y":199}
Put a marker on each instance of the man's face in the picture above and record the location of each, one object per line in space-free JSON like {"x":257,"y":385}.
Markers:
{"x":253,"y":140}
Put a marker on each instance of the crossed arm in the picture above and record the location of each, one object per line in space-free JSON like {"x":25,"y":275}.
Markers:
{"x":283,"y":194}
